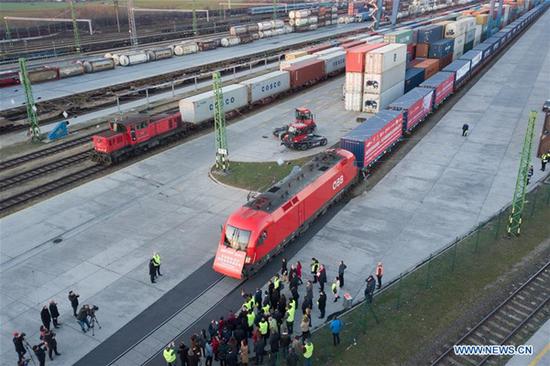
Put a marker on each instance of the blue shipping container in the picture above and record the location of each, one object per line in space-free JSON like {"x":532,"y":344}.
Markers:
{"x":413,"y":77}
{"x":474,"y":56}
{"x":441,"y":48}
{"x":354,"y":141}
{"x":486,"y":48}
{"x":430,"y":34}
{"x":461,"y":68}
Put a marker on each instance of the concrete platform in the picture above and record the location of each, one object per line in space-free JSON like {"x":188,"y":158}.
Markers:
{"x":110,"y":226}
{"x":541,"y":354}
{"x":14,"y":96}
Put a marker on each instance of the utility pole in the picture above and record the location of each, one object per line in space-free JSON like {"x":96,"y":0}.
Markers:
{"x":8,"y":33}
{"x":514,"y":222}
{"x":194,"y":19}
{"x":75,"y":28}
{"x":132,"y":23}
{"x":115,"y":4}
{"x":222,"y":161}
{"x":31,"y":108}
{"x":274,"y":9}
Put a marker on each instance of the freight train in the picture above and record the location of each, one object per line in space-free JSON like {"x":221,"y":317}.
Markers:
{"x":261,"y":228}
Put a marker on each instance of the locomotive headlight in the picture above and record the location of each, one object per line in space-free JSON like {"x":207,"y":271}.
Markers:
{"x":247,"y":259}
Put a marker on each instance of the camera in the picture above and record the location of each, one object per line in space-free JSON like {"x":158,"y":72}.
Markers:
{"x":92,"y":309}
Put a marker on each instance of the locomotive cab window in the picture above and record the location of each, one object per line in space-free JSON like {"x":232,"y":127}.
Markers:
{"x":236,"y":238}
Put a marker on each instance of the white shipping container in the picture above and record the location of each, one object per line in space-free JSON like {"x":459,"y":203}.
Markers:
{"x":385,"y":58}
{"x":455,"y":28}
{"x":458,"y":46}
{"x":354,"y":82}
{"x":334,"y":62}
{"x":185,"y":48}
{"x":200,"y":108}
{"x":379,"y":83}
{"x":353,"y":101}
{"x":470,"y":23}
{"x":267,"y":85}
{"x":477,"y":59}
{"x":374,"y":103}
{"x":129,"y":59}
{"x":477,"y":36}
{"x":328,"y":51}
{"x":462,"y":71}
{"x":296,"y":61}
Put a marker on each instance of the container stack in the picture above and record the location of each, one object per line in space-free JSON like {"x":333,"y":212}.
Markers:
{"x":303,"y":20}
{"x":456,"y":31}
{"x":403,"y":36}
{"x":355,"y":70}
{"x":442,"y":51}
{"x":426,"y":36}
{"x":384,"y":77}
{"x":327,"y":16}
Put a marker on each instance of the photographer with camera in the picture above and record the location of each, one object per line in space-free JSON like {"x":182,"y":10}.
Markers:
{"x":82,"y":318}
{"x":40,"y":354}
{"x":51,"y":343}
{"x":93,"y":318}
{"x":18,"y":342}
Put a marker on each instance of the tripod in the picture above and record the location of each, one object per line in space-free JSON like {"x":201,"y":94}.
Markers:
{"x":93,"y":321}
{"x":30,"y":351}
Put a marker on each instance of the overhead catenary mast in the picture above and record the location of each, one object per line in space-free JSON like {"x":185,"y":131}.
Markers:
{"x":75,"y":28}
{"x":222,"y":162}
{"x":132,"y":23}
{"x":31,"y":108}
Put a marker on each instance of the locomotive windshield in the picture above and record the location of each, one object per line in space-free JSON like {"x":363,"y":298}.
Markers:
{"x":236,"y":238}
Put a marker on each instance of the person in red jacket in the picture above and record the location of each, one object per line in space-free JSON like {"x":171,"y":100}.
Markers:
{"x":379,"y":273}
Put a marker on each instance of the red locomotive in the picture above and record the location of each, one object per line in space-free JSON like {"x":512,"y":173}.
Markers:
{"x":262,"y":227}
{"x":134,"y":134}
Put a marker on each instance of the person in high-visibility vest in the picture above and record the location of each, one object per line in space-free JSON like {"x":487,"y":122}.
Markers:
{"x":276,"y":283}
{"x":169,"y":354}
{"x":156,"y":262}
{"x":264,"y":328}
{"x":250,"y":319}
{"x":379,"y":273}
{"x":314,"y":269}
{"x":544,"y":158}
{"x":335,"y":287}
{"x":308,"y":353}
{"x":265,"y":309}
{"x":290,"y":312}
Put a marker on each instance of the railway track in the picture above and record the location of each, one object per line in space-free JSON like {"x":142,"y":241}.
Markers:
{"x":522,"y":311}
{"x":44,"y":169}
{"x":11,"y":163}
{"x":49,"y":187}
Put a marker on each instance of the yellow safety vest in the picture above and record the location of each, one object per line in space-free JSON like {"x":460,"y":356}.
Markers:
{"x":156,"y":260}
{"x":250,"y":317}
{"x":263,"y":327}
{"x":309,"y":350}
{"x":276,"y":283}
{"x":314,"y":267}
{"x":291,"y":311}
{"x":265,"y":309}
{"x":169,"y":355}
{"x":334,"y":287}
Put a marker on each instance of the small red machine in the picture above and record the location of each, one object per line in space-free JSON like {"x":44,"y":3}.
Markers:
{"x":303,"y":122}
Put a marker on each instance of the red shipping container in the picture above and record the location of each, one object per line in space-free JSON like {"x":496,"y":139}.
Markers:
{"x":445,"y":61}
{"x":351,"y":44}
{"x":430,"y":66}
{"x":306,"y":73}
{"x":422,"y":50}
{"x":318,"y":48}
{"x":416,"y":105}
{"x":415,"y":62}
{"x":443,"y":85}
{"x":355,"y":57}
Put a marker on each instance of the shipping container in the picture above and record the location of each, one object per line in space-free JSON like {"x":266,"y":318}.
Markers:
{"x":185,"y":48}
{"x":474,"y":56}
{"x":458,"y":46}
{"x":129,"y":59}
{"x":379,"y":83}
{"x":96,"y":65}
{"x":373,"y":103}
{"x":430,"y":66}
{"x":355,"y":57}
{"x":482,"y":19}
{"x":43,"y":73}
{"x":373,"y":39}
{"x":470,"y":36}
{"x":335,"y":63}
{"x":413,"y":78}
{"x":444,"y":61}
{"x":430,"y":34}
{"x":400,"y":36}
{"x":267,"y":85}
{"x":441,"y":48}
{"x":384,"y":58}
{"x":296,"y":61}
{"x":422,"y":50}
{"x":200,"y":108}
{"x":306,"y":74}
{"x":461,"y":69}
{"x":68,"y":70}
{"x":354,"y":82}
{"x":486,"y":48}
{"x":328,"y":51}
{"x":415,"y":105}
{"x":442,"y":84}
{"x":495,"y":42}
{"x":353,"y":101}
{"x":477,"y":35}
{"x":351,"y":44}
{"x":314,"y":49}
{"x":370,"y":140}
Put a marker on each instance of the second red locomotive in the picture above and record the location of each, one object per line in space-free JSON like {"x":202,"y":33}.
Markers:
{"x":262,"y":227}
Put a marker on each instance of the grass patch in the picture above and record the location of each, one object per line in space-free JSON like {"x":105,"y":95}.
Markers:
{"x":416,"y":315}
{"x":256,"y":176}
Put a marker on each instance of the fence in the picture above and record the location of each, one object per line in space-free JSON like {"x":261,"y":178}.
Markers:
{"x":438,"y":278}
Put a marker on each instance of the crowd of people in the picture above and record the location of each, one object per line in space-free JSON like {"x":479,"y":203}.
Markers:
{"x":265,"y":328}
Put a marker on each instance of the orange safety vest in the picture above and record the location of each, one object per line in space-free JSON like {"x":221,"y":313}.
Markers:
{"x":379,"y":270}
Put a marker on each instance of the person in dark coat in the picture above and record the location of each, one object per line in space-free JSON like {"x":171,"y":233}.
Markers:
{"x":292,"y":358}
{"x":232,"y":357}
{"x":40,"y":354}
{"x":259,"y":349}
{"x":258,"y":297}
{"x":306,"y":304}
{"x":46,"y":318}
{"x":322,"y":277}
{"x":295,"y":294}
{"x":341,"y":268}
{"x":51,"y":344}
{"x":369,"y":290}
{"x":274,"y":347}
{"x":73,"y":298}
{"x":283,"y":266}
{"x":182,"y":352}
{"x":152,"y":270}
{"x":465,"y":129}
{"x":18,"y":339}
{"x":222,"y":352}
{"x":322,"y":304}
{"x":54,"y":313}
